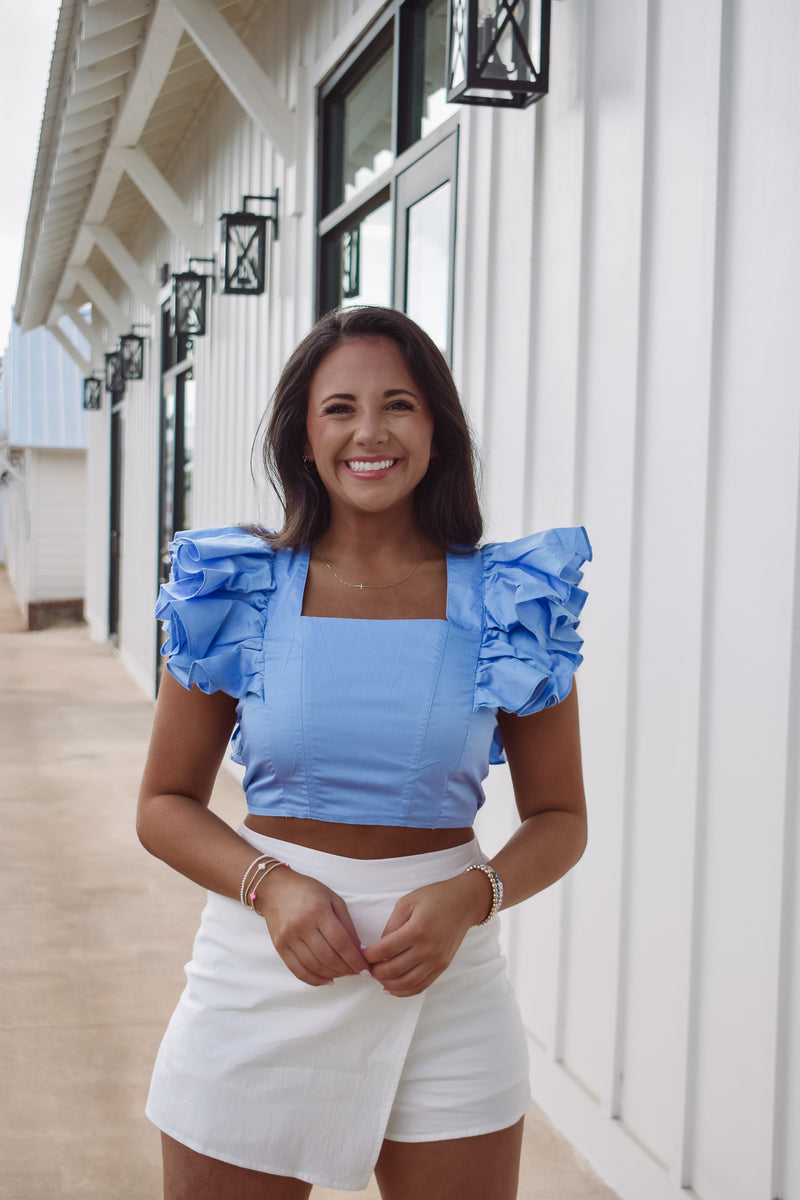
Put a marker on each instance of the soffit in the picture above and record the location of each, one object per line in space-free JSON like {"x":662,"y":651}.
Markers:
{"x":98,"y":48}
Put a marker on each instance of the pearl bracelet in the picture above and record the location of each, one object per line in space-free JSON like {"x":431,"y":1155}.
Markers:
{"x":263,"y":860}
{"x":252,"y":896}
{"x":497,"y":889}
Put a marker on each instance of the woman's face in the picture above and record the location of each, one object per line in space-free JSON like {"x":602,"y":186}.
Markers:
{"x":369,"y":429}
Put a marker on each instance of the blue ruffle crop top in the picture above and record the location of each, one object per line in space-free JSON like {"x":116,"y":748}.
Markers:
{"x":373,"y":722}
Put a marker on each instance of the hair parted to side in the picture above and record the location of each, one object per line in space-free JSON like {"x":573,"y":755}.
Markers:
{"x":446,"y":499}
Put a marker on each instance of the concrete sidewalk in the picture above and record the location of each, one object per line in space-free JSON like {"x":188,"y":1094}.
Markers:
{"x":95,"y":933}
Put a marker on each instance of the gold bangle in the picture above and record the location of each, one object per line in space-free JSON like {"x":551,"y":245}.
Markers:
{"x":252,"y":895}
{"x":497,"y":889}
{"x":259,"y":863}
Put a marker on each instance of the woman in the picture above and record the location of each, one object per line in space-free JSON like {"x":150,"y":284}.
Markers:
{"x":347,"y":1005}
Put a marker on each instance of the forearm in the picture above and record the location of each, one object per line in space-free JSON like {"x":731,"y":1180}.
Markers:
{"x":193,"y":840}
{"x":539,"y":853}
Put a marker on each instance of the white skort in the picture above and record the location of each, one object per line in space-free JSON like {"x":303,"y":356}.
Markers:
{"x":261,"y":1070}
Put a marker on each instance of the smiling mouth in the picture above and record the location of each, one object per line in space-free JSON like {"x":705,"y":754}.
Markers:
{"x":364,"y":468}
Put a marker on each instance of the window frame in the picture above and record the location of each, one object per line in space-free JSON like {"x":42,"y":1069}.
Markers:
{"x":396,"y":27}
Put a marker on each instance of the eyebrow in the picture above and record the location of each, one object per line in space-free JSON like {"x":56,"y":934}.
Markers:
{"x":387,"y":395}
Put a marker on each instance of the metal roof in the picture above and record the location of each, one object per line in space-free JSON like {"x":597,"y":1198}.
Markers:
{"x":42,"y":393}
{"x":126,"y":83}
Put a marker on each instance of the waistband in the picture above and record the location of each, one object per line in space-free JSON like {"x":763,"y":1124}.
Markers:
{"x":369,"y":874}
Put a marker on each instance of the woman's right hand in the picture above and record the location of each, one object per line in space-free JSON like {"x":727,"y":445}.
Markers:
{"x":310,"y":927}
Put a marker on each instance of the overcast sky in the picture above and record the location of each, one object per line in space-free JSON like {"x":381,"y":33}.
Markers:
{"x":27,"y":33}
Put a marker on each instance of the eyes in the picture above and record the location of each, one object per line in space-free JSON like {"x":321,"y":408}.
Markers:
{"x":346,"y":407}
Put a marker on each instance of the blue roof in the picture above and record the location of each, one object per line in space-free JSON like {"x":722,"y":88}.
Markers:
{"x":42,"y":393}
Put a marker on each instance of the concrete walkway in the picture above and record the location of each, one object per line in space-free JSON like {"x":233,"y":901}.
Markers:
{"x":95,"y":932}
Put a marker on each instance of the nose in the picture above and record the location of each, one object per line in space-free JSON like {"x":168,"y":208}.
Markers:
{"x":371,"y":429}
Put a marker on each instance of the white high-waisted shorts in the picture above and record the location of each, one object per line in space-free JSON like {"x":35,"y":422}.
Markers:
{"x":261,"y":1070}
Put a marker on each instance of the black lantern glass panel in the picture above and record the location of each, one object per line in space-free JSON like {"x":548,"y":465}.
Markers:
{"x":131,"y":348}
{"x":92,"y":393}
{"x":115,"y":381}
{"x":244,"y":253}
{"x":189,"y":303}
{"x":498,"y":52}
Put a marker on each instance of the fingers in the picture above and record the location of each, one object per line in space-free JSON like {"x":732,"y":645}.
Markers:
{"x":312,"y":931}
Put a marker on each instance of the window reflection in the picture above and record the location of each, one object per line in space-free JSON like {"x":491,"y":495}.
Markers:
{"x":368,"y":127}
{"x":434,"y":92}
{"x":428,"y":264}
{"x":366,"y":257}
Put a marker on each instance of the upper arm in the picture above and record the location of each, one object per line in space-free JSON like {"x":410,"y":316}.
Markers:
{"x":190,"y":734}
{"x":544,"y":756}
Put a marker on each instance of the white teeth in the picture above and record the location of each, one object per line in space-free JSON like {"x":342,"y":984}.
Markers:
{"x":383,"y":465}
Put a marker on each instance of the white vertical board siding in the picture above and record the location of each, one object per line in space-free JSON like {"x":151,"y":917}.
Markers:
{"x":608,"y":386}
{"x":677,"y":334}
{"x":754,"y":474}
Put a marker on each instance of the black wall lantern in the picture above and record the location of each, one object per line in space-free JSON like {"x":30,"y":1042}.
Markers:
{"x":498,"y":52}
{"x":115,"y":380}
{"x":243,"y":247}
{"x":190,"y":300}
{"x":131,"y":348}
{"x":92,"y":393}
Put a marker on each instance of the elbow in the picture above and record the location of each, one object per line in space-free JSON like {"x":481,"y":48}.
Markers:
{"x":145,"y":825}
{"x":581,"y":839}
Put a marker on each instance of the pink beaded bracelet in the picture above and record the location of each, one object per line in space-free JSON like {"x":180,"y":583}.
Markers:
{"x":253,"y":895}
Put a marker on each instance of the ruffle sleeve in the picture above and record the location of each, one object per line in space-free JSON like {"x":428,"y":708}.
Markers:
{"x":214,"y":609}
{"x":532,"y":602}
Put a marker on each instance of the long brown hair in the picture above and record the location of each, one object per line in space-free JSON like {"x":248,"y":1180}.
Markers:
{"x":446,"y":500}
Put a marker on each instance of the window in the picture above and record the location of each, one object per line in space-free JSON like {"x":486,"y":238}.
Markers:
{"x":388,"y":159}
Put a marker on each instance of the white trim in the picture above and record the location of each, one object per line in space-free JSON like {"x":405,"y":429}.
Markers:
{"x":162,"y":197}
{"x":344,"y":42}
{"x":83,"y":366}
{"x":113,"y":314}
{"x":123,"y":262}
{"x":240,"y":72}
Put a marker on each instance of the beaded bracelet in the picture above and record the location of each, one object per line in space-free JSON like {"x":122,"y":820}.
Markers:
{"x":253,"y":894}
{"x":497,"y":889}
{"x":263,"y":859}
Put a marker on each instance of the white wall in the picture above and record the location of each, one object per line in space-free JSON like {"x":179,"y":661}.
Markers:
{"x":44,"y":526}
{"x":625,"y":331}
{"x":660,"y":408}
{"x":56,"y":481}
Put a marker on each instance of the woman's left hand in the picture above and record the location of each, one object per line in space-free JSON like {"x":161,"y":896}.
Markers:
{"x":425,"y":930}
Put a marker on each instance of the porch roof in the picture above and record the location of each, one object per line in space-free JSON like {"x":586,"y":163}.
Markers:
{"x":127,"y":81}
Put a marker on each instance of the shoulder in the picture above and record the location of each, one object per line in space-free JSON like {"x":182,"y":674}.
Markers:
{"x":214,"y":606}
{"x":555,"y":554}
{"x":219,"y":555}
{"x":532,"y":604}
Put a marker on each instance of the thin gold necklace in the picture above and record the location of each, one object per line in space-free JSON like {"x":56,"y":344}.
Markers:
{"x":371,"y":586}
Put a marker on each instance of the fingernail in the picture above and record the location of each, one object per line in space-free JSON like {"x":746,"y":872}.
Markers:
{"x":329,"y":982}
{"x":361,"y":946}
{"x":366,"y":974}
{"x":386,"y":991}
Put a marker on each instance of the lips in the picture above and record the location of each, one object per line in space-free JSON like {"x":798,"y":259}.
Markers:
{"x":362,"y":467}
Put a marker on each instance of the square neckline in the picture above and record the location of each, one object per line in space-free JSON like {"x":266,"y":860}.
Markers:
{"x":302,"y":576}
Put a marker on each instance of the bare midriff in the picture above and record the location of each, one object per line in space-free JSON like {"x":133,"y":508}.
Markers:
{"x":358,"y":841}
